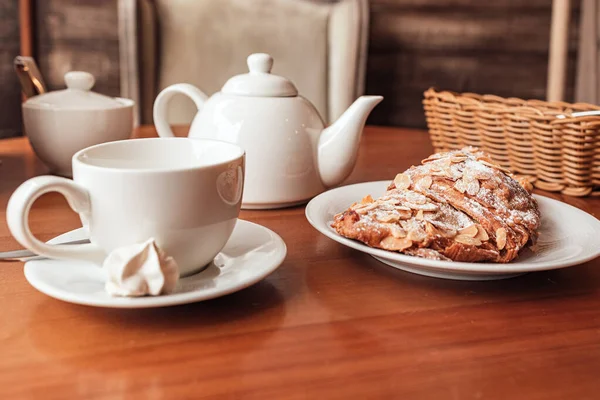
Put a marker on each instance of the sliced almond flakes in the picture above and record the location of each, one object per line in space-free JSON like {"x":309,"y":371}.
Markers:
{"x":473,"y":187}
{"x":425,"y":207}
{"x":403,"y":214}
{"x":496,"y":166}
{"x":417,"y":235}
{"x":460,"y":185}
{"x":402,"y":181}
{"x":365,"y":208}
{"x":465,"y":239}
{"x":367,"y":199}
{"x":397,"y":244}
{"x":430,"y":229}
{"x":482,"y":234}
{"x":389,"y":217}
{"x":470,"y":230}
{"x":414,"y":197}
{"x":432,"y":157}
{"x":425,"y":182}
{"x":397,"y":232}
{"x":500,"y":238}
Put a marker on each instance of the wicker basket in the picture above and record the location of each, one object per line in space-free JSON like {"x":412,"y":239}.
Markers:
{"x":556,"y":154}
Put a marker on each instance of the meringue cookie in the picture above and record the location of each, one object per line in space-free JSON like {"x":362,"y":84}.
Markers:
{"x":140,"y":270}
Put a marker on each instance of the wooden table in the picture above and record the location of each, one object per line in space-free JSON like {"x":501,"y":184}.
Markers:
{"x":329,"y":323}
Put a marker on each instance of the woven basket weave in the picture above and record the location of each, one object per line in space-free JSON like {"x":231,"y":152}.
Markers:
{"x":556,"y":154}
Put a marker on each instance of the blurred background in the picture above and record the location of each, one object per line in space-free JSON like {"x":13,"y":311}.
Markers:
{"x":498,"y":47}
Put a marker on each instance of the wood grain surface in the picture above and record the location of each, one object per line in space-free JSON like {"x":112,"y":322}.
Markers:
{"x":78,"y":35}
{"x":330,"y":323}
{"x":489,"y":47}
{"x":10,"y":91}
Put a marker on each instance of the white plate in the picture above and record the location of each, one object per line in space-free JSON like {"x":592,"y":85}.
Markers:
{"x":568,"y":236}
{"x":252,"y":253}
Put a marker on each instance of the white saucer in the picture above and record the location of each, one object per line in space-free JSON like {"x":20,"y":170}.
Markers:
{"x":252,"y":253}
{"x":568,"y":236}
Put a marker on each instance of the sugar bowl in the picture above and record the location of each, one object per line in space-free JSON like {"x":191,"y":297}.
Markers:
{"x":62,"y":122}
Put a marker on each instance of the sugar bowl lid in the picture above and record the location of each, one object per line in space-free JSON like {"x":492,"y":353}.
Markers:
{"x":259,"y":81}
{"x":77,"y":95}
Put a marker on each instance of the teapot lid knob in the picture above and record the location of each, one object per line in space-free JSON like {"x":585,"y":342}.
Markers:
{"x":79,"y":80}
{"x":260,"y":62}
{"x":259,"y":81}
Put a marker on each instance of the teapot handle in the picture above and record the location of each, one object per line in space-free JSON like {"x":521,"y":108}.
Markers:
{"x":162,"y":100}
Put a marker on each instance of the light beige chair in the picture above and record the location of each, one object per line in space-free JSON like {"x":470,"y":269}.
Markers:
{"x":320,"y":45}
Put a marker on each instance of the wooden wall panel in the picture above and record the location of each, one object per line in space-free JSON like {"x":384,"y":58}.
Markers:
{"x":498,"y":47}
{"x":78,"y":35}
{"x":10,"y":91}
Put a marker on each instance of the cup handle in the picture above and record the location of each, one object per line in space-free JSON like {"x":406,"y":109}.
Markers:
{"x":162,"y":100}
{"x":17,"y":216}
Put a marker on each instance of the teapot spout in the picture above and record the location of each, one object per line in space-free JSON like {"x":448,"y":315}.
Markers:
{"x":338,"y":144}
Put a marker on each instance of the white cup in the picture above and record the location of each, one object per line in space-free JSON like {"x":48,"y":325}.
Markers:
{"x":185,"y":193}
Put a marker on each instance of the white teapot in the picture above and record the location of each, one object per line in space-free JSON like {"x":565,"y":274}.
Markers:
{"x":290,"y":155}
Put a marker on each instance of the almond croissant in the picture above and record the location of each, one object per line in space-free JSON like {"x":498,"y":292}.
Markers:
{"x":457,"y":206}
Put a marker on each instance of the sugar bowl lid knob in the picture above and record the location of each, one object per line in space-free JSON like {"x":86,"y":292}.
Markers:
{"x":77,"y":96}
{"x":79,"y":80}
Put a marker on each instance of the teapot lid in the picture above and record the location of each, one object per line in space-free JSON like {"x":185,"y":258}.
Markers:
{"x":259,"y":81}
{"x":77,"y":96}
